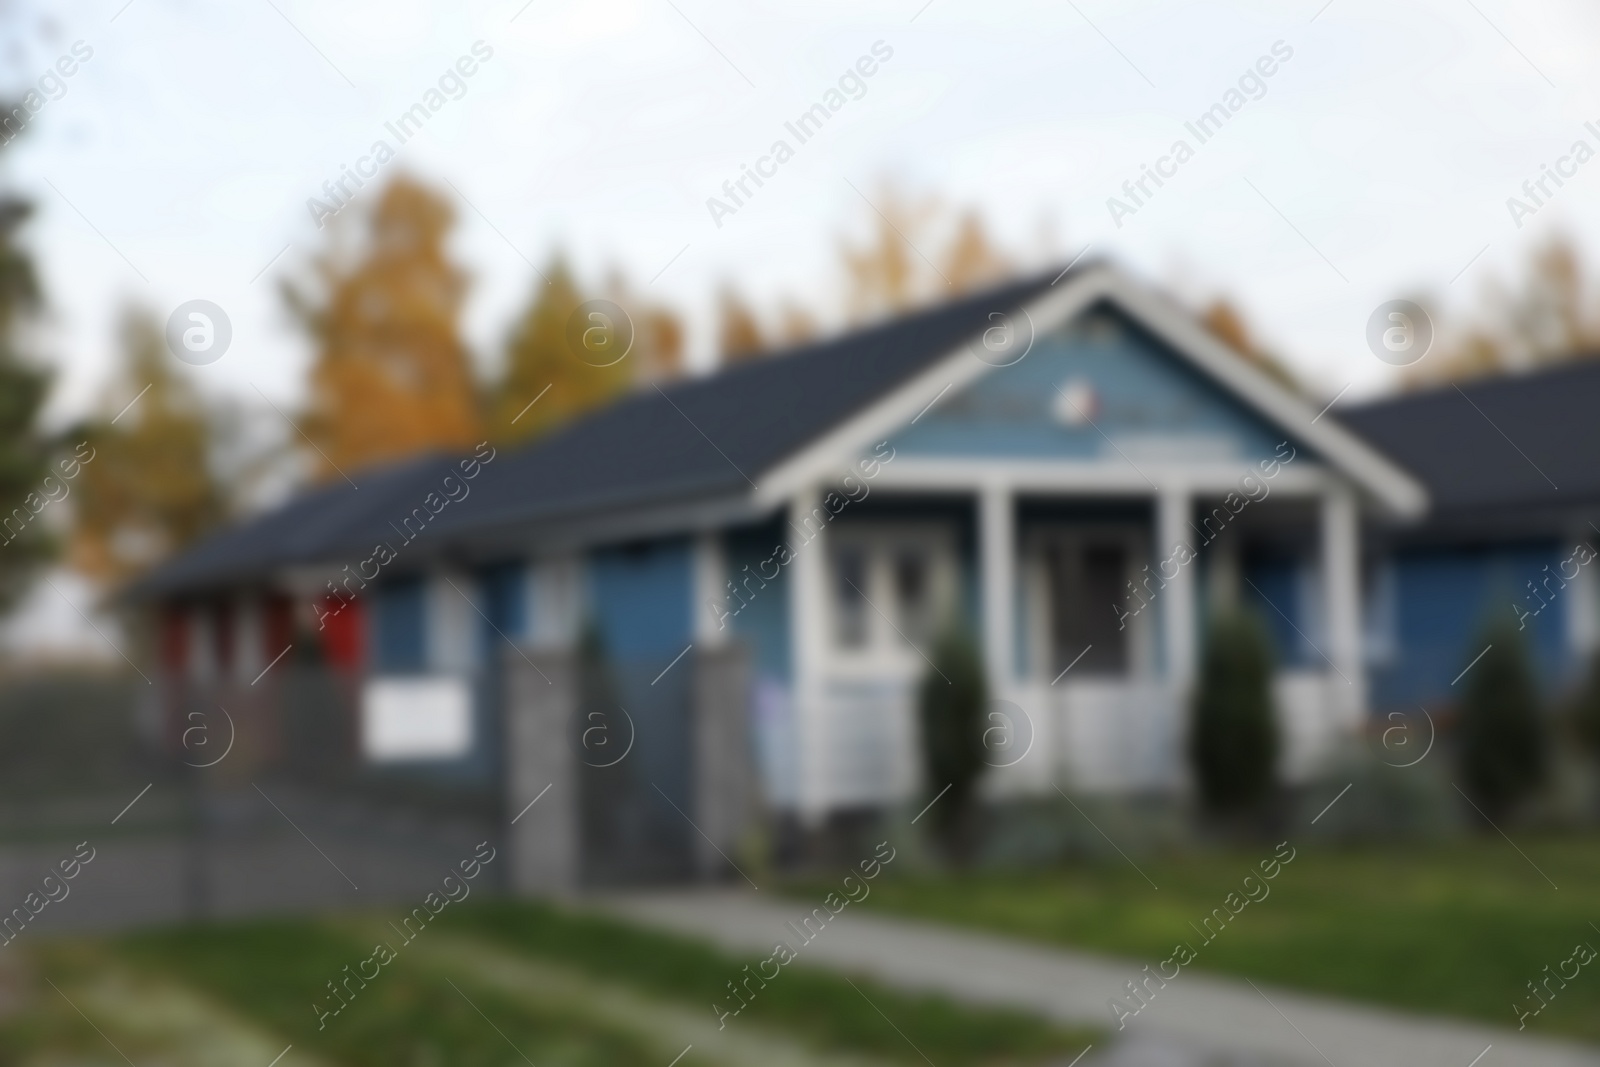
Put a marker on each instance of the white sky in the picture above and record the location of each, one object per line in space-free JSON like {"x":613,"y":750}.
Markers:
{"x":193,"y":137}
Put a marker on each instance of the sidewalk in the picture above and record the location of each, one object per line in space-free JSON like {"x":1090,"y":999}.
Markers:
{"x":1196,"y":1019}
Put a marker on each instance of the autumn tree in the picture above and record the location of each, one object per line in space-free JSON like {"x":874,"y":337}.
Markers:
{"x":1226,"y":322}
{"x":391,"y":375}
{"x":658,"y":334}
{"x":739,"y":334}
{"x":889,"y":273}
{"x":549,"y":375}
{"x":918,"y":251}
{"x":1550,"y":318}
{"x":796,"y":325}
{"x":22,"y":388}
{"x":144,"y":488}
{"x":973,"y":260}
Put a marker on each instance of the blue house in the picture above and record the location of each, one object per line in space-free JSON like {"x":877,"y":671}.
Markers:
{"x":1069,"y":466}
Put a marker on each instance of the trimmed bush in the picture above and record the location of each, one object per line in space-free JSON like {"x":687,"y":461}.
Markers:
{"x":951,"y":704}
{"x":1233,"y":740}
{"x":1585,"y":711}
{"x":1504,"y":755}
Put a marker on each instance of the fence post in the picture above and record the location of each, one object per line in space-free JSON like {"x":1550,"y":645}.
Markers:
{"x":725,"y":797}
{"x":541,"y":698}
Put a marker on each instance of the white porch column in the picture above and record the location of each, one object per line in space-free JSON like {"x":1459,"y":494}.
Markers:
{"x":808,"y":623}
{"x":1583,"y":603}
{"x":451,"y":622}
{"x":711,"y":610}
{"x":248,"y":640}
{"x":1173,"y":507}
{"x":1341,"y":576}
{"x":997,"y":552}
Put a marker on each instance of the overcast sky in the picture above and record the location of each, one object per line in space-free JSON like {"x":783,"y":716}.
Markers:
{"x":1375,"y":163}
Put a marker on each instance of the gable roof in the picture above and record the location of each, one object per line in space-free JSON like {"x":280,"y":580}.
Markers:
{"x":744,"y":434}
{"x":719,"y":434}
{"x":692,"y":439}
{"x":1505,"y":443}
{"x":1390,"y":485}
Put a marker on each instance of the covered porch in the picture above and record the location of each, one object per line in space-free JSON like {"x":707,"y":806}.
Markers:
{"x":1086,"y":587}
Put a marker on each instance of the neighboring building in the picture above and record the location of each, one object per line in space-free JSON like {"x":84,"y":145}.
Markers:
{"x":1072,"y":466}
{"x":1512,"y":468}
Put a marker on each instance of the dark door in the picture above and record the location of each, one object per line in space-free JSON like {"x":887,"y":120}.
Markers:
{"x":1088,"y":583}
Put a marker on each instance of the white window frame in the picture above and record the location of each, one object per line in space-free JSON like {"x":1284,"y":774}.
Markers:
{"x":886,"y":651}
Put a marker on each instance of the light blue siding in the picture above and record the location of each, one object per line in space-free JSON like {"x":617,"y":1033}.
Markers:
{"x":400,"y":626}
{"x":640,"y":598}
{"x":1443,"y":600}
{"x":1143,"y":389}
{"x":503,"y":600}
{"x":1275,"y":588}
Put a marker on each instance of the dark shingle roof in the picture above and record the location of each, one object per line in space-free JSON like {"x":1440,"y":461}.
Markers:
{"x":1500,"y":443}
{"x":314,"y":526}
{"x":702,"y":437}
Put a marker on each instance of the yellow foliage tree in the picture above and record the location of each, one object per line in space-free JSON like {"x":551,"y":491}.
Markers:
{"x":391,"y":376}
{"x":973,"y":260}
{"x":739,"y":335}
{"x":1552,"y":318}
{"x":549,"y":376}
{"x":658,"y":334}
{"x":919,"y":251}
{"x":145,"y":487}
{"x":889,"y":273}
{"x":1226,"y":322}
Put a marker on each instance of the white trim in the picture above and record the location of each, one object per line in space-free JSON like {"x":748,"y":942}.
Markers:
{"x":1109,"y":476}
{"x":249,"y":637}
{"x":1583,"y":605}
{"x":831,"y":453}
{"x":556,"y":588}
{"x":886,"y":652}
{"x":1340,"y":524}
{"x":1366,"y":466}
{"x":827,"y":457}
{"x":808,"y":637}
{"x":1177,"y":603}
{"x":451,"y":621}
{"x":997,"y":583}
{"x":710,"y":626}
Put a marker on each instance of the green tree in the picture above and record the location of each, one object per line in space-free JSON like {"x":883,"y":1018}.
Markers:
{"x":148,"y":489}
{"x":1233,"y":739}
{"x":22,"y":389}
{"x":545,"y":368}
{"x":951,"y":702}
{"x":1504,"y":752}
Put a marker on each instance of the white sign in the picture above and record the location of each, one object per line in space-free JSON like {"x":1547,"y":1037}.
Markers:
{"x":416,"y":718}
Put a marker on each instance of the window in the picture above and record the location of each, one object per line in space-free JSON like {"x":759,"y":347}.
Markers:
{"x":401,"y":625}
{"x":850,"y":598}
{"x":913,"y":597}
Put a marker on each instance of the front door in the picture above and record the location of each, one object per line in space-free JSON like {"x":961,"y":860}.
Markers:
{"x":1087,"y":576}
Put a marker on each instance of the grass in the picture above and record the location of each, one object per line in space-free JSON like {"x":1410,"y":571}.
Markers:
{"x":822,"y":1006}
{"x":268,"y":973}
{"x":1455,"y":928}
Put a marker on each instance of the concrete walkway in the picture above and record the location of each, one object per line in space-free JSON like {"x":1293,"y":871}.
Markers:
{"x":1196,"y":1019}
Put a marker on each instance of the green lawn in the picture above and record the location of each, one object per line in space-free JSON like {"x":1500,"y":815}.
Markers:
{"x":564,"y":989}
{"x":1455,"y":928}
